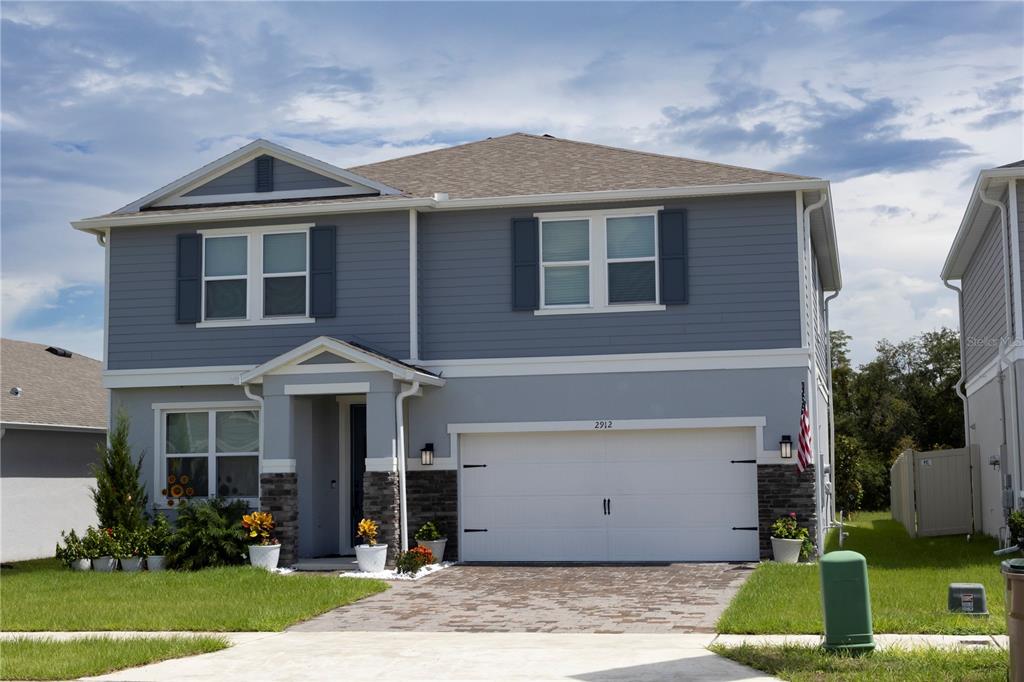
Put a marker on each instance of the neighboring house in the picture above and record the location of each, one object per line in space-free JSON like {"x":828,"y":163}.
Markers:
{"x":600,"y":350}
{"x":986,"y":260}
{"x":53,"y":415}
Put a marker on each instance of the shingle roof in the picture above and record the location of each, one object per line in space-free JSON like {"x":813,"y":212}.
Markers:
{"x":54,"y":389}
{"x":521,"y":163}
{"x":1015,"y":164}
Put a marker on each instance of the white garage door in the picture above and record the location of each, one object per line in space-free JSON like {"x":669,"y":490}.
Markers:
{"x":658,"y":495}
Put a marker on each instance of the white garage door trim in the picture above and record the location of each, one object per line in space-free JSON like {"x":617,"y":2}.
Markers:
{"x":591,"y":425}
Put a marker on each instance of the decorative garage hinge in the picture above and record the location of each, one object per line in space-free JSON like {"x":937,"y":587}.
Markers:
{"x":743,"y":461}
{"x":474,"y":530}
{"x":744,"y":527}
{"x":474,"y":466}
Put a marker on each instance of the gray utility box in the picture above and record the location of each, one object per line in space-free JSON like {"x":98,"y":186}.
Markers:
{"x":968,"y":598}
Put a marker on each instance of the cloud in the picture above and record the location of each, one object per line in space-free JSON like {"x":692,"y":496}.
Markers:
{"x":825,"y":18}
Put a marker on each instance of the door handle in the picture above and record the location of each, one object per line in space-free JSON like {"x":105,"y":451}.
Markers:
{"x":604,"y":506}
{"x":609,"y":506}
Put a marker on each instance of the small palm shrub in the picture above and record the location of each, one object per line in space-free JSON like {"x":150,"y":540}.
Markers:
{"x":208,"y":534}
{"x":412,"y":561}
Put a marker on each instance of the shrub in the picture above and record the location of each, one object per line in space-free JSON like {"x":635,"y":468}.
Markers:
{"x":258,"y":526}
{"x":71,"y":549}
{"x":119,"y":496}
{"x":367,"y":530}
{"x":1015,"y":524}
{"x":786,"y":528}
{"x":428,"y":532}
{"x":412,"y":561}
{"x":133,"y":542}
{"x":208,"y":534}
{"x":105,"y":542}
{"x":92,"y":543}
{"x":159,"y":536}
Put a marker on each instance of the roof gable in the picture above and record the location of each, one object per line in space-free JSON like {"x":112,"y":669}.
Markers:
{"x":233,"y":179}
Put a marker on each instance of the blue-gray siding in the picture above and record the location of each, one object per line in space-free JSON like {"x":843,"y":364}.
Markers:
{"x":1020,"y":232}
{"x":820,"y":322}
{"x":372,"y":291}
{"x":743,"y":288}
{"x":243,"y":179}
{"x":984,"y":301}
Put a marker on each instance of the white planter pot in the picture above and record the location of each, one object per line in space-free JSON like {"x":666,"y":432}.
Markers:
{"x":104,"y":564}
{"x":371,"y":559}
{"x":81,"y":564}
{"x":264,"y":556}
{"x":786,"y":551}
{"x":436,"y":548}
{"x":131,"y":564}
{"x":155,"y":563}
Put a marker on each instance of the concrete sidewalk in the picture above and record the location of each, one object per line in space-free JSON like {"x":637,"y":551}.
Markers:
{"x":881,"y":641}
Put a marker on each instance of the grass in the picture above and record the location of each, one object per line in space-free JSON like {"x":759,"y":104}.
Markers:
{"x":807,"y":664}
{"x":26,"y":659}
{"x":43,"y":595}
{"x":908,"y":579}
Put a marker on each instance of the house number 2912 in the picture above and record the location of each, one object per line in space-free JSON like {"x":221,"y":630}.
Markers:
{"x":603,"y":424}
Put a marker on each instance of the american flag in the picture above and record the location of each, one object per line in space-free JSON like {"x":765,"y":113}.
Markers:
{"x":803,"y":452}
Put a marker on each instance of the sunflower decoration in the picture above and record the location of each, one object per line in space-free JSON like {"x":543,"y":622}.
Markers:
{"x":177,"y":490}
{"x":172,"y":479}
{"x":184,"y":479}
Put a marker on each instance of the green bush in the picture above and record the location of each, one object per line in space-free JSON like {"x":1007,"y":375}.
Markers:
{"x":208,"y":534}
{"x":849,"y":489}
{"x":1015,"y":524}
{"x":159,"y":536}
{"x":71,"y":549}
{"x":412,"y":561}
{"x":429,"y":532}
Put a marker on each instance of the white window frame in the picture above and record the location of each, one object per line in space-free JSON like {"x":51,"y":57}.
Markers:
{"x":227,"y":278}
{"x":599,"y":262}
{"x":568,"y":263}
{"x":162,"y":410}
{"x":255,"y":276}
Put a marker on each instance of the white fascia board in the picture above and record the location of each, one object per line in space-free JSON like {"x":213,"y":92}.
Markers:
{"x":609,"y":424}
{"x":350,"y":388}
{"x":241,"y":156}
{"x":990,"y":371}
{"x":957,"y":258}
{"x":173,"y":376}
{"x":30,"y":426}
{"x":622,"y":363}
{"x":428,"y":204}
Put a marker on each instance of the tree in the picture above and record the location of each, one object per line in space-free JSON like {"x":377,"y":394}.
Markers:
{"x":119,"y":496}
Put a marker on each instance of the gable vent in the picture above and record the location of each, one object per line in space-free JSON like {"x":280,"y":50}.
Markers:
{"x":59,"y":352}
{"x":265,"y":174}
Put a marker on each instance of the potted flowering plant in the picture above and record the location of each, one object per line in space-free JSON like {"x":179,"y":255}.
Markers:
{"x":264,"y":550}
{"x":790,"y":542}
{"x":134,"y":546}
{"x":412,"y":561}
{"x":371,"y":557}
{"x":159,"y":535}
{"x":430,"y":537}
{"x":72,"y":552}
{"x":107,"y":547}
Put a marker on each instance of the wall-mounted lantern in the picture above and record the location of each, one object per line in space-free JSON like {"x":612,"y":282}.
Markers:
{"x":427,"y":455}
{"x":786,"y":447}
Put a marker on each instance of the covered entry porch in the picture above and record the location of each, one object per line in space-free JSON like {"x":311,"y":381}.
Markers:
{"x":333,"y":435}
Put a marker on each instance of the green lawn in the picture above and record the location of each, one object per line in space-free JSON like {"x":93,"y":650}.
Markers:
{"x":43,"y":595}
{"x":811,"y":664}
{"x":25,"y":659}
{"x":908,"y":581}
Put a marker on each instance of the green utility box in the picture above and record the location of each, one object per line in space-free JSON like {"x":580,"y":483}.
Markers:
{"x":846,"y":602}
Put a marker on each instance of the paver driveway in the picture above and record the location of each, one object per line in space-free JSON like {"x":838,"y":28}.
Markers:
{"x":674,"y":598}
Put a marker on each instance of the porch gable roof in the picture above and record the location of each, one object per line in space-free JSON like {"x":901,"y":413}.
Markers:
{"x":348,"y":351}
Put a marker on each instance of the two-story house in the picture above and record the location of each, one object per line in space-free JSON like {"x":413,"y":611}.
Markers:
{"x":986,"y":259}
{"x":563,"y":351}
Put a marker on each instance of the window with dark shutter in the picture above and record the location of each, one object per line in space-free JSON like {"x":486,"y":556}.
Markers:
{"x":525,"y":264}
{"x":672,"y":253}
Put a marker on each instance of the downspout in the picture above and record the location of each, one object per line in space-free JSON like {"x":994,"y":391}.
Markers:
{"x":101,"y":239}
{"x":819,"y":473}
{"x":259,"y":400}
{"x":831,"y":414}
{"x":1008,"y":313}
{"x":400,"y":432}
{"x":959,"y":386}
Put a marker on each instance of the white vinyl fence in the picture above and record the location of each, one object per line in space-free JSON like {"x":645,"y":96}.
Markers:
{"x":937,"y":492}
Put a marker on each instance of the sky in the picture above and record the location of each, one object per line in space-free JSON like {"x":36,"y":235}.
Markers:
{"x":899,"y":105}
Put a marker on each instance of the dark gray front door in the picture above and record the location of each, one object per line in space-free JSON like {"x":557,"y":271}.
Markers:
{"x":357,"y":418}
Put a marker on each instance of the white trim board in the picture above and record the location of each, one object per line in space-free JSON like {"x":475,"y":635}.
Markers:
{"x":991,"y":370}
{"x":622,"y":363}
{"x":214,"y":375}
{"x":30,"y":426}
{"x":277,"y":466}
{"x":356,"y":387}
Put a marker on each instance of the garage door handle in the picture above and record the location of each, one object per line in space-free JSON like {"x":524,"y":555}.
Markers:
{"x":743,"y":461}
{"x":744,"y":527}
{"x":474,"y":466}
{"x":474,"y":530}
{"x":604,"y":506}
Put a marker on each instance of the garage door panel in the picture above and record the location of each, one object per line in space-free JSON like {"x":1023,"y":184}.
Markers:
{"x":516,"y":475}
{"x":560,"y":512}
{"x":695,"y":544}
{"x":693,"y":511}
{"x":530,"y":544}
{"x":572,"y":446}
{"x":700,"y":476}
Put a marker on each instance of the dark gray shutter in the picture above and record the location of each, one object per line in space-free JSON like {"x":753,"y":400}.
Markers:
{"x":525,"y":264}
{"x":323,"y":258}
{"x":190,"y":267}
{"x":672,"y":256}
{"x":265,"y":174}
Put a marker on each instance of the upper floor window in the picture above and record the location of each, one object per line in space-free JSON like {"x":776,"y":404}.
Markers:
{"x":256,"y":276}
{"x":601,"y":261}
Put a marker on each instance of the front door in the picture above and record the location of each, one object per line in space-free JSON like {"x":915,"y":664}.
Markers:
{"x":357,"y":446}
